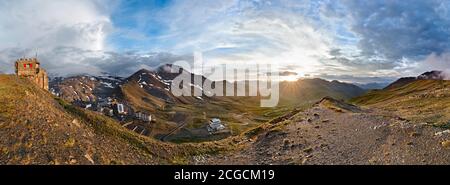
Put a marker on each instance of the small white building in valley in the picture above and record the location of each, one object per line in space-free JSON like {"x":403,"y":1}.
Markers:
{"x":215,"y":125}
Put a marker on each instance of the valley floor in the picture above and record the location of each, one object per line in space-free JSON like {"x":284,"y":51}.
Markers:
{"x":324,"y":136}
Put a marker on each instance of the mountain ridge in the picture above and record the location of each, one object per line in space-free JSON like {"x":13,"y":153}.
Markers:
{"x":430,"y":75}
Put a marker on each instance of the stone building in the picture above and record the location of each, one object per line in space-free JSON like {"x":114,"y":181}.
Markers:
{"x":30,"y":68}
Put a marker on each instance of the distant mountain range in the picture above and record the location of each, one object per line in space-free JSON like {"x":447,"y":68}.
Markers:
{"x":374,"y":85}
{"x":156,"y":86}
{"x":149,"y":90}
{"x":309,"y":91}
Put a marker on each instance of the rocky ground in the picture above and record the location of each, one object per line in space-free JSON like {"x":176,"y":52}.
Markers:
{"x":321,"y":135}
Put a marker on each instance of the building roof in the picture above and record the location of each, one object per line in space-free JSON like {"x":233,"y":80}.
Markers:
{"x":215,"y":120}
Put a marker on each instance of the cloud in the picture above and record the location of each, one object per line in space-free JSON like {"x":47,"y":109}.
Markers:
{"x":30,"y":27}
{"x":342,"y":38}
{"x":393,"y":30}
{"x":234,"y":31}
{"x":435,"y":61}
{"x":124,"y":64}
{"x":288,"y":73}
{"x":383,"y":38}
{"x":99,"y":62}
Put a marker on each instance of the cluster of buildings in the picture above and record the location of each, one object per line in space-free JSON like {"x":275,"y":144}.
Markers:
{"x":113,"y":108}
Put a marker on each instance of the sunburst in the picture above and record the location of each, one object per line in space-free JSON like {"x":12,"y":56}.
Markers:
{"x":290,"y":78}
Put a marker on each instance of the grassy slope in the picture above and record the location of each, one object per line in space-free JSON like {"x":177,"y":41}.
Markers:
{"x":36,"y":129}
{"x":422,"y":100}
{"x":141,"y":99}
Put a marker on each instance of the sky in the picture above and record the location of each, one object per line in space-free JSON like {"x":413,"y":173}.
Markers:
{"x":347,"y":40}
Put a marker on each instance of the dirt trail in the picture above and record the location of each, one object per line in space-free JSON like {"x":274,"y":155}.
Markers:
{"x":324,"y":136}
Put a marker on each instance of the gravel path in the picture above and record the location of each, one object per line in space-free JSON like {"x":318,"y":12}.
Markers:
{"x":323,"y":136}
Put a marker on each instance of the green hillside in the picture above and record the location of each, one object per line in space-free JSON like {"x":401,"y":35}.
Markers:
{"x":421,"y":100}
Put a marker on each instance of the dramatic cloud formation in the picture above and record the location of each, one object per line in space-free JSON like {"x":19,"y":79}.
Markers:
{"x":350,"y":40}
{"x":288,"y":73}
{"x":229,"y":32}
{"x":393,"y":36}
{"x":397,"y":29}
{"x":436,"y":62}
{"x":43,"y":23}
{"x":44,"y":26}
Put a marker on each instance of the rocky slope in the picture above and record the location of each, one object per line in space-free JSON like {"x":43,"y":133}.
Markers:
{"x":86,"y":88}
{"x":321,"y":135}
